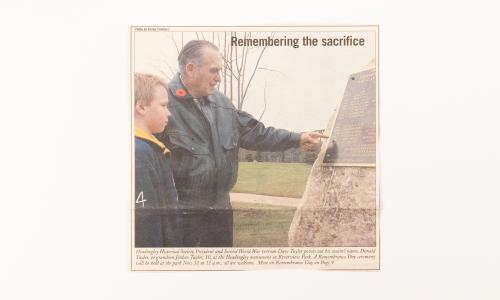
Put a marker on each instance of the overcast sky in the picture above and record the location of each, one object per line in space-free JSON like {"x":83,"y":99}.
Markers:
{"x":304,"y":92}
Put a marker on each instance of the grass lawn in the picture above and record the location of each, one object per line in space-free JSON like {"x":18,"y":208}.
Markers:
{"x":274,"y":179}
{"x":261,"y":225}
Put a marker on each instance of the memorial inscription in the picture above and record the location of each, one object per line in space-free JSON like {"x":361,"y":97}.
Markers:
{"x":355,"y":128}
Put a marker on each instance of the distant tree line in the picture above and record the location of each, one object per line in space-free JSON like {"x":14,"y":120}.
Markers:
{"x":295,"y":155}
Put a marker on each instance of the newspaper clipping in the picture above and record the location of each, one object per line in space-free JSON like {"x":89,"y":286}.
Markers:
{"x":254,"y":148}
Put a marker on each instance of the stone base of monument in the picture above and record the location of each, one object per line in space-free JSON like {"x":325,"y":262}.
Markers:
{"x":338,"y":209}
{"x":339,"y":205}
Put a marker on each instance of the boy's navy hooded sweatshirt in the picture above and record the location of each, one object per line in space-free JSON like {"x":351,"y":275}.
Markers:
{"x":157,"y":221}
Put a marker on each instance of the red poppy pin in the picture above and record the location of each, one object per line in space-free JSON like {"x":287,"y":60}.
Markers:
{"x":180,"y":93}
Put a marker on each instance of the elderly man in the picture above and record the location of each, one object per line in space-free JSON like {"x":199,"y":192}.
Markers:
{"x":204,"y":134}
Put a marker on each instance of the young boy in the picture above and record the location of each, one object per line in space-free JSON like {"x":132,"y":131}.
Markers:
{"x":156,"y":218}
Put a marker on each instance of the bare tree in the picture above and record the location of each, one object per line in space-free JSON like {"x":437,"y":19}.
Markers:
{"x":160,"y":64}
{"x":238,"y":72}
{"x":238,"y":67}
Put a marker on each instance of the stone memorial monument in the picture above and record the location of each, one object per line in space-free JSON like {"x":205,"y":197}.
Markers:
{"x":339,"y":205}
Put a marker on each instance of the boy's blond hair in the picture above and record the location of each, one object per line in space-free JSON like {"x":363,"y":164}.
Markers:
{"x":144,"y":85}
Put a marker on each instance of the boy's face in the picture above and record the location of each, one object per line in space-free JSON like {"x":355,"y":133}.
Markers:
{"x":156,"y":113}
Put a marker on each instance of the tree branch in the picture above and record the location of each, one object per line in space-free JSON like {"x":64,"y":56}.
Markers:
{"x":175,"y":44}
{"x":265,"y":102}
{"x":254,"y":70}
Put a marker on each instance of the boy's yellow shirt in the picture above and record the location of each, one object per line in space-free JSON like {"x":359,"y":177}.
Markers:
{"x":138,"y":132}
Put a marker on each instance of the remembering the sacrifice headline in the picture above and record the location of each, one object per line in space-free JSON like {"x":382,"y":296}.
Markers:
{"x":344,"y":41}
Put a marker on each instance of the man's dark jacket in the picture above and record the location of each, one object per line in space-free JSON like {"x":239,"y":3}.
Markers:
{"x":204,"y":137}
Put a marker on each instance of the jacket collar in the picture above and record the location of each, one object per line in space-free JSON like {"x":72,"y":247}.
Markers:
{"x":180,"y":91}
{"x":139,"y":133}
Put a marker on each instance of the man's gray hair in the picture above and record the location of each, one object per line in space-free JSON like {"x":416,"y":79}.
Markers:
{"x":192,"y":52}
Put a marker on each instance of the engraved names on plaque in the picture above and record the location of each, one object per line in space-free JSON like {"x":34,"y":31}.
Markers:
{"x":354,"y":131}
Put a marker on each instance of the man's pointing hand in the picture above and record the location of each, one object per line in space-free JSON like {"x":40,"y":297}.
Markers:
{"x":309,"y":139}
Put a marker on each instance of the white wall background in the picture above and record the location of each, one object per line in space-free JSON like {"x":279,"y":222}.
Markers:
{"x":64,"y":73}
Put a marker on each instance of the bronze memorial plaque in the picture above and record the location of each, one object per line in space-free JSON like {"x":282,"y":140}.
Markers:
{"x":354,"y":131}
